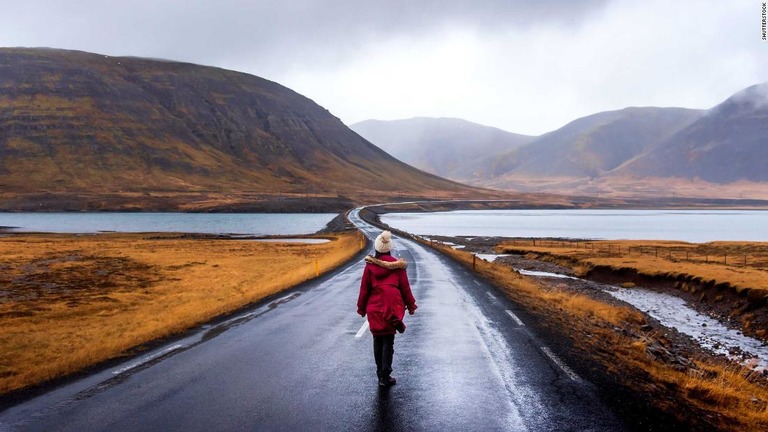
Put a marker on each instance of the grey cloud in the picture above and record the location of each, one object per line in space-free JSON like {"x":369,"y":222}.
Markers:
{"x":273,"y":34}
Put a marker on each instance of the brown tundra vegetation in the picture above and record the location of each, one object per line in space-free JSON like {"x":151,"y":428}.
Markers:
{"x":68,"y":302}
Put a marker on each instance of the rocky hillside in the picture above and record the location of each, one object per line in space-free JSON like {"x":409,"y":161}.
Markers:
{"x":648,"y":153}
{"x":594,"y":145}
{"x":81,"y":130}
{"x":728,"y":144}
{"x":448,"y":147}
{"x":634,"y":153}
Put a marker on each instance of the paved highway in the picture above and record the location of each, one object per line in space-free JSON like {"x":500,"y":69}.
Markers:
{"x":304,"y":361}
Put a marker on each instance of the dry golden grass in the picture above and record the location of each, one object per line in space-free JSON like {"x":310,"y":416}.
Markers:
{"x":712,"y":395}
{"x":722,"y":396}
{"x":747,"y":266}
{"x":528,"y":292}
{"x":68,"y":302}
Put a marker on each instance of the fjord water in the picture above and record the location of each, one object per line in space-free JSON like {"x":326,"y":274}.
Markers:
{"x":211,"y":223}
{"x":696,"y":226}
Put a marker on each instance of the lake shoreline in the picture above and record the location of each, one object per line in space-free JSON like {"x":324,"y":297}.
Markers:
{"x":259,"y":202}
{"x":200,"y":224}
{"x":695,"y":226}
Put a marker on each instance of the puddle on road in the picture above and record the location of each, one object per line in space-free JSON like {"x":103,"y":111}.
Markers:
{"x":674,"y":312}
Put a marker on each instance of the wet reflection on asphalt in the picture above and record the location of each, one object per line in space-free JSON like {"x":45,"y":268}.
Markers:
{"x":300,"y":362}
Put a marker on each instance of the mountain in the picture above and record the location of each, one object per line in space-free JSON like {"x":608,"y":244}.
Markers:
{"x":594,"y":145}
{"x":648,"y":152}
{"x":728,"y":144}
{"x":448,"y":147}
{"x":88,"y":131}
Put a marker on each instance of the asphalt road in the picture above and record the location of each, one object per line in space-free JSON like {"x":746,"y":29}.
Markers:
{"x":304,"y":362}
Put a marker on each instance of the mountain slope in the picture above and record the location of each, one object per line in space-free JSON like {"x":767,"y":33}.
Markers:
{"x":728,"y":144}
{"x":446,"y":147}
{"x":594,"y":145}
{"x":80,"y":123}
{"x":635,"y":152}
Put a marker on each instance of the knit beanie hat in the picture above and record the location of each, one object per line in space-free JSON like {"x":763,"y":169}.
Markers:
{"x":383,"y":243}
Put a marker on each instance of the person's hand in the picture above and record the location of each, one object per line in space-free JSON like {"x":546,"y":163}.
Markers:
{"x":361,"y":313}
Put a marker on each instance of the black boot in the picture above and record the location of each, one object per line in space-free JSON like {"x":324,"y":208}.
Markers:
{"x":387,"y":381}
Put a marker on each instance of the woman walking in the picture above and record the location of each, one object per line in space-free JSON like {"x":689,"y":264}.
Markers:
{"x":385,"y":293}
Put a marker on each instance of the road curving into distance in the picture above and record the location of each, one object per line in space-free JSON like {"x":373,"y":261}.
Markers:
{"x":304,"y":361}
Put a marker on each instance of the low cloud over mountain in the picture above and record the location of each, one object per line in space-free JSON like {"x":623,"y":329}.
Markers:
{"x":639,"y":152}
{"x":448,"y":147}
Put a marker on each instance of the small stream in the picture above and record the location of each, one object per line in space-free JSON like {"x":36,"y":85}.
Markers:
{"x":674,"y":312}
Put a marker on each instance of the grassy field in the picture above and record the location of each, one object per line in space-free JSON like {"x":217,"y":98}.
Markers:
{"x":743,"y":265}
{"x":68,"y":302}
{"x":729,"y":278}
{"x":708,"y":394}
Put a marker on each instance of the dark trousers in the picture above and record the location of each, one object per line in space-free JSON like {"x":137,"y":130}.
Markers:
{"x":383,"y":350}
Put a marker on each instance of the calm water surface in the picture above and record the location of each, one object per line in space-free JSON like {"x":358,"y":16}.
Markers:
{"x":686,"y":225}
{"x":213,"y":223}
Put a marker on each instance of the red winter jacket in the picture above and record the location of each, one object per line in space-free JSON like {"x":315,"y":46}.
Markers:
{"x":384,"y":294}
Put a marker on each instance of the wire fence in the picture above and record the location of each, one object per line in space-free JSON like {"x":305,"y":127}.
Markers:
{"x":733,"y":255}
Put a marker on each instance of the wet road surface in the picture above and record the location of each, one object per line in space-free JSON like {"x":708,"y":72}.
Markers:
{"x":304,"y":361}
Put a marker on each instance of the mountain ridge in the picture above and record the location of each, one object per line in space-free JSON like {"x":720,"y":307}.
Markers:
{"x":641,"y":152}
{"x":725,"y":145}
{"x":596,"y":144}
{"x":447,"y":147}
{"x":82,"y":124}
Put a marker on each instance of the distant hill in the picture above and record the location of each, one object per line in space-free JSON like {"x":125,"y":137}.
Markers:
{"x":447,"y":147}
{"x":643,"y":152}
{"x":648,"y":153}
{"x":727,"y":144}
{"x":81,"y":130}
{"x":594,"y":145}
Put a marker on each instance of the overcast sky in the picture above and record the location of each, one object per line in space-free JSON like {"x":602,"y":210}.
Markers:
{"x":523,"y":66}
